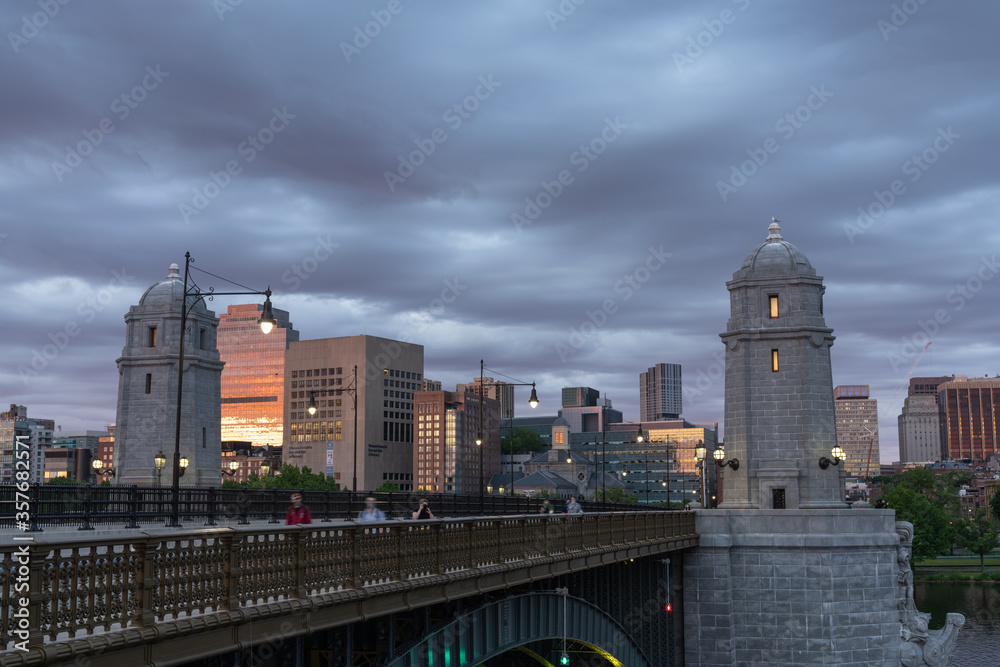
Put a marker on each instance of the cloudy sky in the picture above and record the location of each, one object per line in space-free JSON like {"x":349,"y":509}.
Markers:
{"x":487,"y":179}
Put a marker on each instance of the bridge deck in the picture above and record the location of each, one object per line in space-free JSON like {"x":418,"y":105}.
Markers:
{"x":170,"y":597}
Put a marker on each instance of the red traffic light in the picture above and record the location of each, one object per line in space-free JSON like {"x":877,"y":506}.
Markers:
{"x":668,"y":607}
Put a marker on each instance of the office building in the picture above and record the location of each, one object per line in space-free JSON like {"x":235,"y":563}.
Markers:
{"x":919,"y":430}
{"x":660,"y":393}
{"x":147,"y":389}
{"x":498,"y":390}
{"x":36,"y":434}
{"x":579,"y":397}
{"x":446,"y":426}
{"x":321,"y":372}
{"x":430,"y":385}
{"x":253,"y":379}
{"x":969,"y":412}
{"x":857,"y":428}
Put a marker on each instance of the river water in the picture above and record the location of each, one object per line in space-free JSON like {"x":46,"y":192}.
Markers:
{"x":979,"y":641}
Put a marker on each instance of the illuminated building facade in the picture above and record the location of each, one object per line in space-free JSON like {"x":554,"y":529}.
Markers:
{"x":253,"y":379}
{"x":445,"y":454}
{"x":660,"y":393}
{"x":970,"y":418}
{"x":857,"y":427}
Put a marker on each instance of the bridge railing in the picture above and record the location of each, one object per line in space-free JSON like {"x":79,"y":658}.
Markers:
{"x":132,"y":506}
{"x":77,"y":585}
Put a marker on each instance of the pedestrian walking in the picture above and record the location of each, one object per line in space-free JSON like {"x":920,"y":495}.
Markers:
{"x":298,"y":513}
{"x":370,"y":512}
{"x":424,"y":512}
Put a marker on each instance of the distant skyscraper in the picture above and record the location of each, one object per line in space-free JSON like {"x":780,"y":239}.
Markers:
{"x":389,"y":374}
{"x":35,"y":433}
{"x":431,"y":385}
{"x":857,"y":425}
{"x":969,"y":415}
{"x":660,"y":394}
{"x":919,"y":429}
{"x":928,"y":386}
{"x":498,"y":390}
{"x":253,"y":380}
{"x":579,"y":397}
{"x":445,"y":454}
{"x":147,"y":389}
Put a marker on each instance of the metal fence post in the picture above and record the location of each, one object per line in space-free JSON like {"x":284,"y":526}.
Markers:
{"x":326,"y":506}
{"x":34,"y":509}
{"x":86,"y":509}
{"x":243,"y":511}
{"x":211,"y":506}
{"x":133,"y":502}
{"x":274,"y":506}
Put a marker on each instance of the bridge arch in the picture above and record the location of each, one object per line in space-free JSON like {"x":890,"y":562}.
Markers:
{"x":503,"y":625}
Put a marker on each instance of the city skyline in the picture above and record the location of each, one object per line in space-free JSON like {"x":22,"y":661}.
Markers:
{"x":563,"y":196}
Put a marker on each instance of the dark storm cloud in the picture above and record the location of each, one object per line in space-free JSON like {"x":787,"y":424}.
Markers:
{"x":678,"y":130}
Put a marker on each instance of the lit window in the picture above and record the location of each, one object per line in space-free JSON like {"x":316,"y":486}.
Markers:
{"x":774,"y":361}
{"x":151,"y":339}
{"x":774,"y":306}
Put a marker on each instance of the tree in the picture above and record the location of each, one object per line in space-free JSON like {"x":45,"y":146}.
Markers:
{"x":615,"y":495}
{"x":526,"y":441}
{"x":995,"y":505}
{"x":932,"y":533}
{"x":979,"y":535}
{"x":64,"y":481}
{"x":288,"y":477}
{"x":388,"y":486}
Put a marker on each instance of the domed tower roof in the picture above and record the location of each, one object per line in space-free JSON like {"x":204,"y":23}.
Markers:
{"x":775,"y":257}
{"x":165,"y":293}
{"x":560,"y":422}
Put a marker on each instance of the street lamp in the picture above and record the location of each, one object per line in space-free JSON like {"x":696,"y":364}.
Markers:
{"x":100,"y":470}
{"x":159,"y":462}
{"x":838,"y":455}
{"x":233,"y":466}
{"x":532,"y":401}
{"x":700,"y":454}
{"x":720,"y":455}
{"x":265,"y":471}
{"x":266,"y":322}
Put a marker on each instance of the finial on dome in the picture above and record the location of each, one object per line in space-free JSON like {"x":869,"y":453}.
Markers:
{"x":774,"y":231}
{"x":174,"y":272}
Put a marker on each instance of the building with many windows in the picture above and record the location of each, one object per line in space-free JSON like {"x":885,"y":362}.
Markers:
{"x":498,"y":390}
{"x":321,"y":374}
{"x":660,"y":393}
{"x":857,"y":427}
{"x":253,"y":379}
{"x":447,"y":424}
{"x":919,"y":430}
{"x":35,"y":434}
{"x":969,"y":412}
{"x":579,"y":397}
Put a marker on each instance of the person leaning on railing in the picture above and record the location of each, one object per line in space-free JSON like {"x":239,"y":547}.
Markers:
{"x":298,"y":513}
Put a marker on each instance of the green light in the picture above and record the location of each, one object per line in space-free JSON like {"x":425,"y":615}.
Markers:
{"x":564,"y":659}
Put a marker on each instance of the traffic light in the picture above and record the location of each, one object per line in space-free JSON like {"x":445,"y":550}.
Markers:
{"x":668,"y":607}
{"x":564,"y":659}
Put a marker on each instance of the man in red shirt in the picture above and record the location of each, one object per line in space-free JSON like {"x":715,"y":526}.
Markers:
{"x":298,"y":513}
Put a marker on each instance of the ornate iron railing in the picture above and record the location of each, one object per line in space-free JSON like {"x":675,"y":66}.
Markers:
{"x":132,"y":506}
{"x":78,"y":585}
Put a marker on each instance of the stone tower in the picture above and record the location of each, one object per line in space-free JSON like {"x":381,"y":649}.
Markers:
{"x":147,"y":389}
{"x":779,"y":416}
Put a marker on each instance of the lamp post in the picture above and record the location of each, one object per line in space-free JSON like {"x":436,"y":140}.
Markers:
{"x":838,"y":455}
{"x":265,"y":471}
{"x":720,"y":458}
{"x":233,"y":466}
{"x":352,"y":391}
{"x":479,"y":439}
{"x":604,"y":445}
{"x":700,"y":454}
{"x":639,"y":438}
{"x":159,"y":462}
{"x":266,"y":322}
{"x":532,"y":401}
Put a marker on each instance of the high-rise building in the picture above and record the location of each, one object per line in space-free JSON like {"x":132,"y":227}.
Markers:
{"x":322,"y":373}
{"x":253,"y":379}
{"x":579,"y":397}
{"x":928,"y":386}
{"x":430,"y":385}
{"x":857,"y":427}
{"x":919,"y":430}
{"x":660,"y":393}
{"x":147,"y":389}
{"x":969,"y":412}
{"x":498,"y":390}
{"x":446,"y":426}
{"x":35,"y":434}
